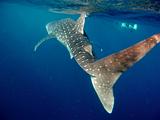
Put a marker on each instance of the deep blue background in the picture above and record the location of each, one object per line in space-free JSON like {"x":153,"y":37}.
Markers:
{"x":47,"y":85}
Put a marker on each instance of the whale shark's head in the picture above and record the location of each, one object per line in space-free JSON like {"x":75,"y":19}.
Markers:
{"x":50,"y":27}
{"x":60,"y":26}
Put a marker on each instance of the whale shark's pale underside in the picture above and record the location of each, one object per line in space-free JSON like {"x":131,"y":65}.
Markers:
{"x":104,"y":72}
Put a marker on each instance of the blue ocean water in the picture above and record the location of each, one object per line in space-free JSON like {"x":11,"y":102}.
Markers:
{"x":48,"y":85}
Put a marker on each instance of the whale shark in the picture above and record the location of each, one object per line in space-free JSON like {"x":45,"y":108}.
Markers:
{"x":103,"y":72}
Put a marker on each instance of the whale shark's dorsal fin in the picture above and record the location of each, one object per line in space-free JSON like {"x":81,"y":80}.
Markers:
{"x":80,"y":23}
{"x":88,"y":49}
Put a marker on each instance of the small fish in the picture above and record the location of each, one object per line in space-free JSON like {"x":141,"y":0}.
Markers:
{"x":104,"y":72}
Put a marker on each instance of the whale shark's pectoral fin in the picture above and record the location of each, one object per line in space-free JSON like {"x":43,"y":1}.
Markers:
{"x":70,"y":53}
{"x":80,"y":23}
{"x":42,"y":41}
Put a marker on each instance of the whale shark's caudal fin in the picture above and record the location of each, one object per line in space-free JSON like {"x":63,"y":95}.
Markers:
{"x":109,"y":69}
{"x":104,"y":90}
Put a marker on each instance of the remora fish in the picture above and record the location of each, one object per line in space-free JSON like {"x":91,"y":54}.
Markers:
{"x":104,"y":72}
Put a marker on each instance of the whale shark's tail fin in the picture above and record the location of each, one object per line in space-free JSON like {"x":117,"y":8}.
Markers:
{"x":103,"y":87}
{"x":109,"y":69}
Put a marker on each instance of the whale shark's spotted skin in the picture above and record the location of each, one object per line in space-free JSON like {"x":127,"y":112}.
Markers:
{"x":71,"y":35}
{"x":104,"y":72}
